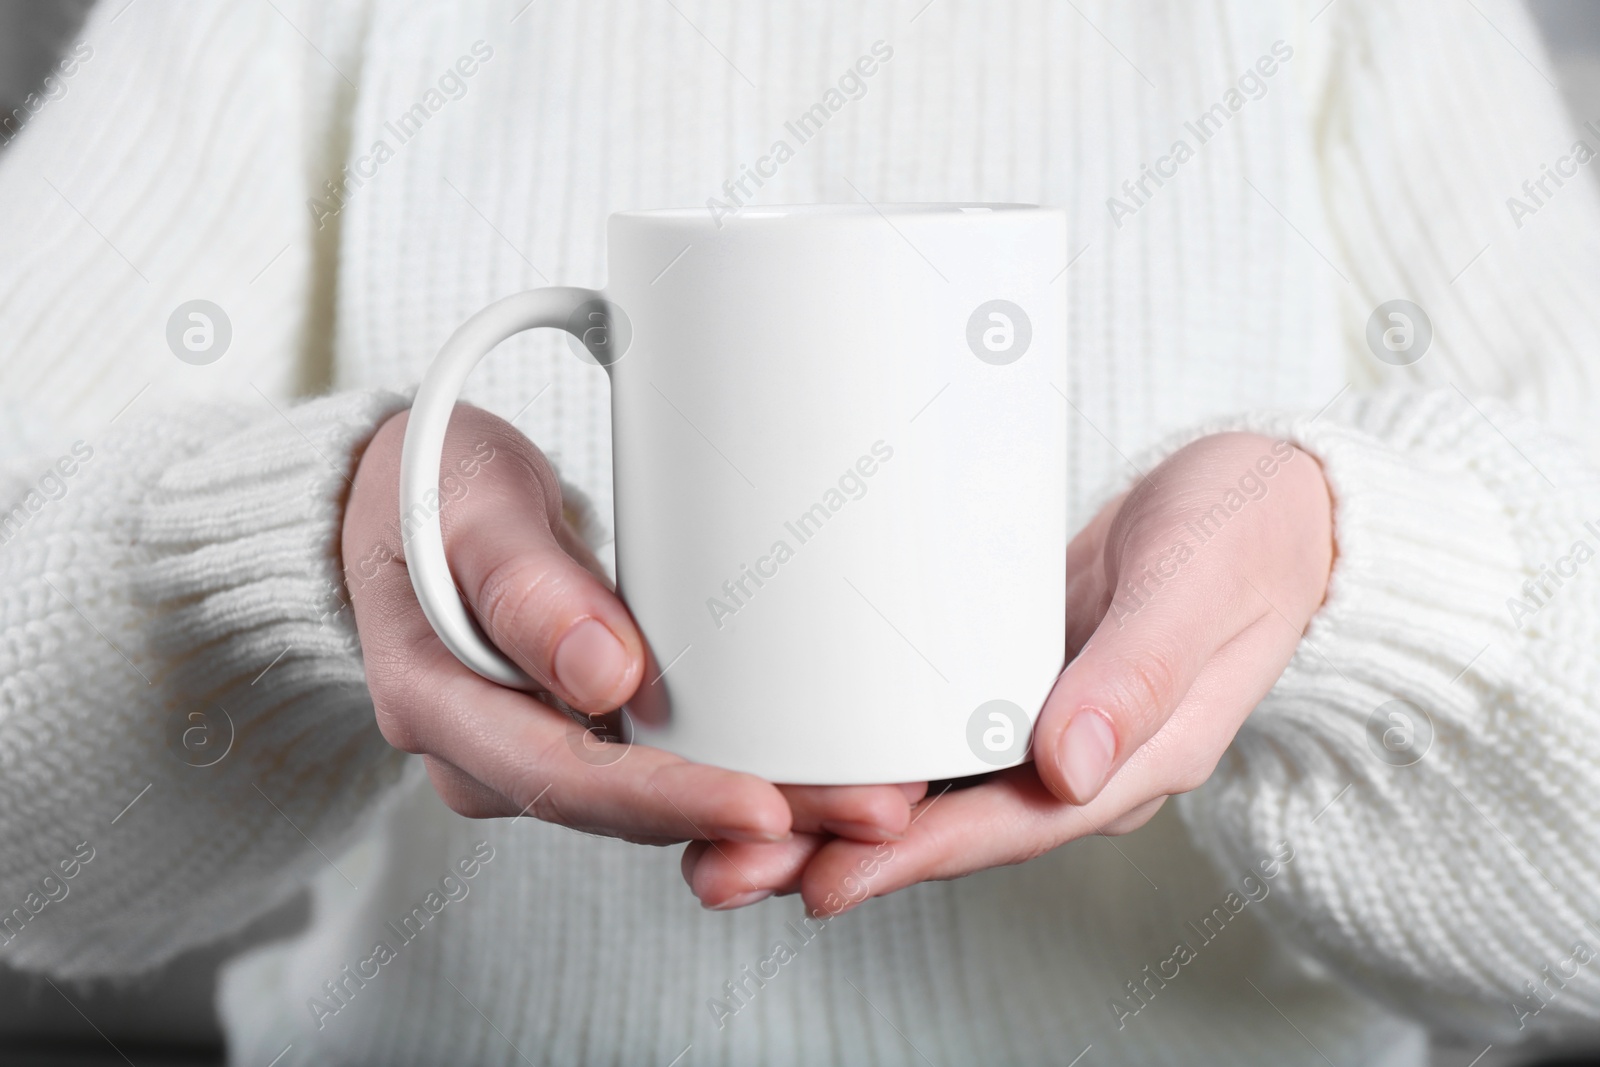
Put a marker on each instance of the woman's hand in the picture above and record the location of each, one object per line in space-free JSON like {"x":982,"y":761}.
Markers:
{"x":1185,"y":600}
{"x":540,"y":596}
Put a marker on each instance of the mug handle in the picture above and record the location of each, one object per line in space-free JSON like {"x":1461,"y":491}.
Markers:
{"x":423,"y":449}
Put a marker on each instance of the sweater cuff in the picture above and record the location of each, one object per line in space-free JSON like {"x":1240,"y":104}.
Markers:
{"x":1401,"y":755}
{"x":240,"y":584}
{"x":1425,"y":552}
{"x":1424,"y":545}
{"x":243,"y":542}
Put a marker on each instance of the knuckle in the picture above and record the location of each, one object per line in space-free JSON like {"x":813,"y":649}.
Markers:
{"x":364,"y":567}
{"x":396,"y":726}
{"x":461,"y":795}
{"x":1187,"y":781}
{"x":1032,"y":850}
{"x":482,"y":442}
{"x":1143,"y":687}
{"x":1191,"y":774}
{"x":1153,"y":676}
{"x":501,"y":437}
{"x":507,"y":590}
{"x":463,"y":802}
{"x":400,"y":690}
{"x":546,"y":483}
{"x":1132,"y":820}
{"x":539,"y":804}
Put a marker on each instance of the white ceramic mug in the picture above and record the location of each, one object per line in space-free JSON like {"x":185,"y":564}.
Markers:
{"x":840,"y":480}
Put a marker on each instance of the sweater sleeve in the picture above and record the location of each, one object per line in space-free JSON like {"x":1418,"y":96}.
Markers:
{"x":185,"y":730}
{"x":1432,"y":752}
{"x":185,"y":735}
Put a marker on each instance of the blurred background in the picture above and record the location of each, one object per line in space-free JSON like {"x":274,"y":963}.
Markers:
{"x":32,"y":32}
{"x":1572,"y":33}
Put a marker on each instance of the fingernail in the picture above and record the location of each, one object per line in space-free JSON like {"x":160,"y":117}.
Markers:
{"x":1085,"y":752}
{"x":747,"y":836}
{"x":739,"y":901}
{"x":590,"y":662}
{"x":861,"y":831}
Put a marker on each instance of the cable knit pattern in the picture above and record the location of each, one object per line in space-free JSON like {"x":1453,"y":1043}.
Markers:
{"x":190,"y":577}
{"x":200,"y":543}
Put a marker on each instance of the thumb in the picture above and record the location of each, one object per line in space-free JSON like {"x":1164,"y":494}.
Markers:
{"x":536,"y":600}
{"x":518,"y":568}
{"x":1173,"y":598}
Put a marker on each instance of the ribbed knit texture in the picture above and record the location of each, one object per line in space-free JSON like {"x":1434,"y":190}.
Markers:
{"x":200,"y":540}
{"x":170,"y":623}
{"x":1480,"y":815}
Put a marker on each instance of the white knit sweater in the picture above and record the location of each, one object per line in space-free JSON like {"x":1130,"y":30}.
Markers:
{"x":173,"y":565}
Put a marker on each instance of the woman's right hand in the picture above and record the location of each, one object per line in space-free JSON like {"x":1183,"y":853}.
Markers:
{"x":539,"y":594}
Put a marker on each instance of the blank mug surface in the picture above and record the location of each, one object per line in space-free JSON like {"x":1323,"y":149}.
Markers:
{"x":840,"y":484}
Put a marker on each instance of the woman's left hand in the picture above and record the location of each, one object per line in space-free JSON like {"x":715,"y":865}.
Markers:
{"x":1186,"y":597}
